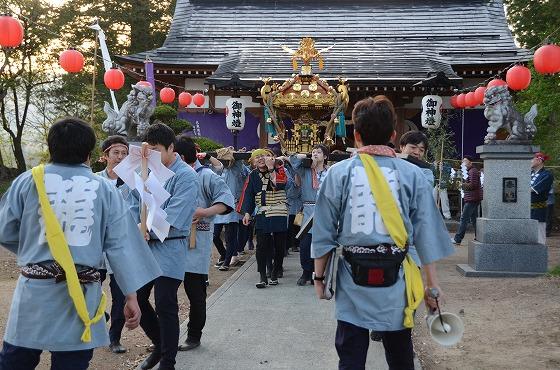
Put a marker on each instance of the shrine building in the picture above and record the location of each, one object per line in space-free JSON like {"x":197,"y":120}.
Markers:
{"x":404,"y":49}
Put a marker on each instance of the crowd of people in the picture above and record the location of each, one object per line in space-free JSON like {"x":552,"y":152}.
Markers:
{"x":66,"y":223}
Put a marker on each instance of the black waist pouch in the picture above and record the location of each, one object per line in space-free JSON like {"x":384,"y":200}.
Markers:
{"x":375,"y":266}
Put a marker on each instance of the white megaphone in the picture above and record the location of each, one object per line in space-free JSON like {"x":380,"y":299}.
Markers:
{"x":445,"y":328}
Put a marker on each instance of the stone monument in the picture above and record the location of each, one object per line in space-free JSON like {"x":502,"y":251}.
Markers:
{"x":506,"y":239}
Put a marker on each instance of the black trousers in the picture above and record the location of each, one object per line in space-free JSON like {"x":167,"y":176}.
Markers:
{"x":195,"y":287}
{"x":245,"y":235}
{"x":232,"y":242}
{"x":307,"y":263}
{"x":117,"y":310}
{"x":271,"y":244}
{"x":218,"y":243}
{"x":162,"y":324}
{"x":21,"y":358}
{"x":352,"y":344}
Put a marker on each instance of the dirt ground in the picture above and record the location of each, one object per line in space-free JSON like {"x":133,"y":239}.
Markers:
{"x":135,"y":341}
{"x":510,"y":323}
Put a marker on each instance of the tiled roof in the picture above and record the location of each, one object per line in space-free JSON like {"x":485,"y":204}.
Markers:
{"x":373,"y":39}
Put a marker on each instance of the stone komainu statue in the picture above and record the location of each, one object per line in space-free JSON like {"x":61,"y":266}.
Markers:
{"x":500,"y":113}
{"x":135,"y":113}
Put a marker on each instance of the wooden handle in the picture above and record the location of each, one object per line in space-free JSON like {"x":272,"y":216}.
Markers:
{"x":144,"y":209}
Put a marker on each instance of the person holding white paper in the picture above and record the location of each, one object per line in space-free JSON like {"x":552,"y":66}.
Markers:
{"x":162,"y":324}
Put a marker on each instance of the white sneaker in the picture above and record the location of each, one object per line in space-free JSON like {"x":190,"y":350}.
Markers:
{"x":234,"y":261}
{"x":455,"y":241}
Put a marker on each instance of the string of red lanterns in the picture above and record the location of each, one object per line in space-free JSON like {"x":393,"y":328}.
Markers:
{"x":546,"y":60}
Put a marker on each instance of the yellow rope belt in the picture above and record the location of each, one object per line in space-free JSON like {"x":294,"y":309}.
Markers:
{"x":61,"y":254}
{"x":393,"y":221}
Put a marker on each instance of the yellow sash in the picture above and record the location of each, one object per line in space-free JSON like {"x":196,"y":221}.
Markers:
{"x":61,"y":254}
{"x":393,"y":221}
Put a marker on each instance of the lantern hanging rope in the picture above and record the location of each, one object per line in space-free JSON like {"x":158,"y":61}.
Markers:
{"x":132,"y":72}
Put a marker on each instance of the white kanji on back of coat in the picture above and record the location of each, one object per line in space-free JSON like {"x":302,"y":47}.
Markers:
{"x":72,"y":202}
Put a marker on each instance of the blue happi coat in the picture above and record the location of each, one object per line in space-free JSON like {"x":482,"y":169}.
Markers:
{"x":308,"y":194}
{"x":212,"y":190}
{"x":95,"y":221}
{"x":234,"y":177}
{"x":541,"y":183}
{"x":346,"y":214}
{"x":171,"y":255}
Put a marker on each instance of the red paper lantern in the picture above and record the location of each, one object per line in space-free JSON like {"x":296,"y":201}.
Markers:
{"x":495,"y":82}
{"x":167,"y":95}
{"x":453,"y":102}
{"x":144,"y":83}
{"x":185,"y":99}
{"x":470,"y":100}
{"x":461,"y":101}
{"x":198,"y":99}
{"x":71,"y":60}
{"x":547,"y":59}
{"x":479,"y":94}
{"x":114,"y":79}
{"x":11,"y":32}
{"x":518,"y":77}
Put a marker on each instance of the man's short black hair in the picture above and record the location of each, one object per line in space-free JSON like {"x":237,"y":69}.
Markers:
{"x":186,"y":147}
{"x":323,"y":148}
{"x":469,"y":157}
{"x":159,"y":133}
{"x":71,"y":141}
{"x":374,"y":119}
{"x":114,"y":139}
{"x":414,"y":138}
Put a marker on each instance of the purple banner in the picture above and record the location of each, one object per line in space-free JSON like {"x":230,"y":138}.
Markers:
{"x":475,"y":129}
{"x":213,"y":126}
{"x":149,"y":69}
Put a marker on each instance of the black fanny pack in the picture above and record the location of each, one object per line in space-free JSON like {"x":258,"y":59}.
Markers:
{"x":375,"y":266}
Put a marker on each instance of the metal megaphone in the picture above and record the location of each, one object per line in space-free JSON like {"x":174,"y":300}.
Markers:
{"x":445,"y":328}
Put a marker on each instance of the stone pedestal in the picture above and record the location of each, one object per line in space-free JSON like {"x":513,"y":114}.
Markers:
{"x":506,"y":241}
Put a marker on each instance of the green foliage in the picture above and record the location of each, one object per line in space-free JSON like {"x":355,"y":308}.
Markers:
{"x":24,"y":69}
{"x":168,"y":115}
{"x":179,"y":126}
{"x":533,"y":20}
{"x":207,"y":145}
{"x":437,"y":137}
{"x":554,"y":271}
{"x":545,"y":92}
{"x":164,"y":113}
